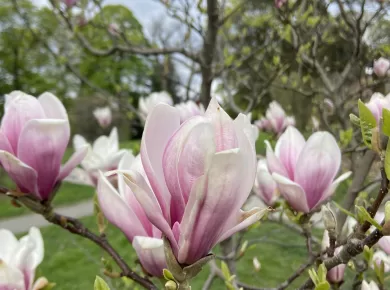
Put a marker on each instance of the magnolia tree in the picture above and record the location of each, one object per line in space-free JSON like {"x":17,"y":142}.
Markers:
{"x":198,"y":181}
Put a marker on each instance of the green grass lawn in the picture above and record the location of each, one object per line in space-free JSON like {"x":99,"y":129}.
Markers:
{"x":67,"y":194}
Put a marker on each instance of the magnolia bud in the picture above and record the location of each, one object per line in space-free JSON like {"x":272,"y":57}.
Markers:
{"x":387,"y":211}
{"x":170,"y":285}
{"x":256,"y":264}
{"x":329,"y":218}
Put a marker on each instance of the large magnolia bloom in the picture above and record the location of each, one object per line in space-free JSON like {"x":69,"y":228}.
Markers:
{"x":201,"y":173}
{"x":123,"y":210}
{"x":19,"y":260}
{"x":146,"y":104}
{"x":104,"y":155}
{"x":377,"y":103}
{"x":305,"y":171}
{"x":103,"y":116}
{"x":275,"y":119}
{"x":34,"y":134}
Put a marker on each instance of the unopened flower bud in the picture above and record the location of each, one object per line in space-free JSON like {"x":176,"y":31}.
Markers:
{"x":256,"y":264}
{"x":387,"y":211}
{"x":170,"y":285}
{"x":329,"y":218}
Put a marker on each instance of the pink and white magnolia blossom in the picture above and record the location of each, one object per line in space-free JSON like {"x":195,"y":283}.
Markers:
{"x":19,"y":260}
{"x":103,"y":116}
{"x":189,"y":109}
{"x":275,"y":119}
{"x":369,"y":286}
{"x":265,"y":186}
{"x":69,"y":3}
{"x":255,"y":129}
{"x":201,"y":173}
{"x":305,"y":170}
{"x":377,"y":103}
{"x":381,"y":66}
{"x":280,"y":3}
{"x":34,"y":134}
{"x":104,"y":155}
{"x":146,"y":104}
{"x":336,"y":274}
{"x":123,"y":210}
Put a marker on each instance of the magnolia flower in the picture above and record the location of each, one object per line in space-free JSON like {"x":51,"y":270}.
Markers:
{"x":369,"y":286}
{"x":69,"y":3}
{"x":255,"y":129}
{"x":201,"y":173}
{"x":265,"y":186}
{"x":304,"y":170}
{"x":103,"y":116}
{"x":381,"y":66}
{"x":379,"y":257}
{"x":19,"y":260}
{"x":114,"y":29}
{"x":123,"y":210}
{"x":103,"y":155}
{"x":34,"y":134}
{"x":348,"y":227}
{"x":189,"y":109}
{"x":377,"y":103}
{"x":275,"y":119}
{"x":336,"y":274}
{"x":280,"y":3}
{"x":145,"y":105}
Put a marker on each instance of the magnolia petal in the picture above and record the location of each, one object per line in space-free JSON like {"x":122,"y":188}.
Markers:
{"x":79,"y":176}
{"x":52,"y":106}
{"x":149,"y":203}
{"x":24,"y":176}
{"x":41,"y":283}
{"x":116,"y":211}
{"x":22,"y":109}
{"x":8,"y":244}
{"x":160,"y":125}
{"x":150,"y":251}
{"x":79,"y":142}
{"x":113,"y":140}
{"x":369,"y":286}
{"x":316,"y":177}
{"x":273,"y":162}
{"x":186,"y":157}
{"x":288,"y":147}
{"x":292,"y":192}
{"x":212,"y":196}
{"x":243,"y":220}
{"x":73,"y":161}
{"x":225,"y":136}
{"x":11,"y":278}
{"x":34,"y":236}
{"x":42,"y":145}
{"x":4,"y":144}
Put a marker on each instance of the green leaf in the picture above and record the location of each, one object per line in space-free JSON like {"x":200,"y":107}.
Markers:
{"x":345,"y":137}
{"x":313,"y":276}
{"x":323,"y":286}
{"x":225,"y":270}
{"x":386,"y":122}
{"x":100,"y":284}
{"x":387,"y":160}
{"x":367,"y":217}
{"x":354,"y":119}
{"x":368,"y":254}
{"x":168,"y":275}
{"x":344,"y":210}
{"x":367,"y":123}
{"x":322,"y":272}
{"x":49,"y":286}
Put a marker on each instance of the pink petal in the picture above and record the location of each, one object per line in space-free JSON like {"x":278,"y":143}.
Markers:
{"x":288,"y":148}
{"x":292,"y":192}
{"x":265,"y":186}
{"x":42,"y":145}
{"x":149,"y":203}
{"x":24,"y":176}
{"x":225,"y":136}
{"x":317,"y":166}
{"x":116,"y":211}
{"x":4,"y":144}
{"x":273,"y":162}
{"x":11,"y":278}
{"x":384,"y":243}
{"x":20,"y":110}
{"x":160,"y":125}
{"x":73,"y":161}
{"x":332,"y":188}
{"x":52,"y":106}
{"x":8,"y":245}
{"x":150,"y":251}
{"x":213,"y":199}
{"x":186,"y":155}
